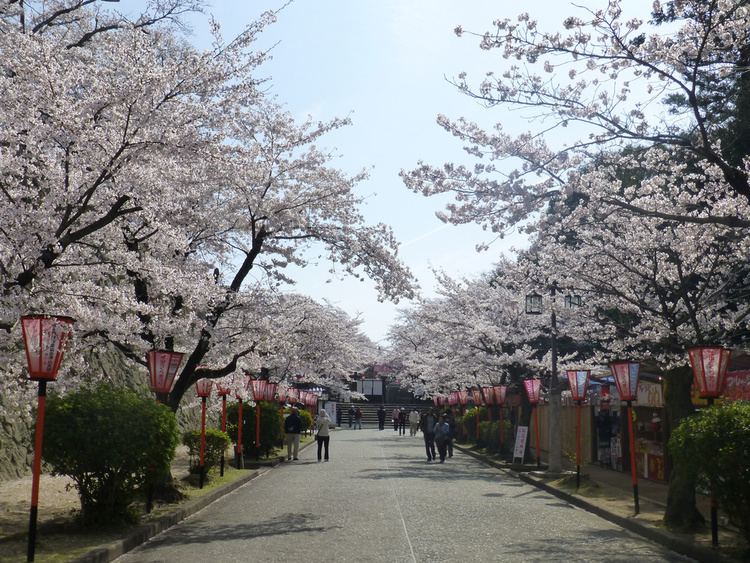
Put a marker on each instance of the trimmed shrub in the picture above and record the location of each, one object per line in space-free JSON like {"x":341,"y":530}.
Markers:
{"x":271,"y":430}
{"x":110,"y":442}
{"x":216,"y":443}
{"x":714,"y":444}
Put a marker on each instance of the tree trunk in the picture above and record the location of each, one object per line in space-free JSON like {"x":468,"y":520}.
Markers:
{"x":681,"y":512}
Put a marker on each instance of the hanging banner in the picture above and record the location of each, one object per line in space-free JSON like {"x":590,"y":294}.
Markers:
{"x":519,"y":449}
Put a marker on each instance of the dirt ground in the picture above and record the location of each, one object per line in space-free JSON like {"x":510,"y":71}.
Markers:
{"x":57,"y":501}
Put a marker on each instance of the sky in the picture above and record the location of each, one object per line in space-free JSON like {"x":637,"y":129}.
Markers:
{"x":385,"y":64}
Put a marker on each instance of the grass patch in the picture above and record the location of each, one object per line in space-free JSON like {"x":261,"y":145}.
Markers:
{"x":64,"y":541}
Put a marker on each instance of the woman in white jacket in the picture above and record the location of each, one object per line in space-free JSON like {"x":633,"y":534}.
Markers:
{"x":322,"y":426}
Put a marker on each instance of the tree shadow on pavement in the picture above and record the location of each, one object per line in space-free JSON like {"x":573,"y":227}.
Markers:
{"x":208,"y":532}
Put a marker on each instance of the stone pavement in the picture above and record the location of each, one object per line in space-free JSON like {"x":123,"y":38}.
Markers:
{"x":379,"y":500}
{"x":609,"y":494}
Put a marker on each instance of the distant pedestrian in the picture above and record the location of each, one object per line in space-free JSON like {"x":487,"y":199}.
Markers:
{"x":452,"y":425}
{"x":381,"y":418}
{"x":323,"y":426}
{"x":427,"y":424}
{"x":293,"y":428}
{"x":396,"y":412}
{"x":442,"y":437}
{"x":358,"y":419}
{"x":402,"y":417}
{"x":413,"y":422}
{"x":351,"y":415}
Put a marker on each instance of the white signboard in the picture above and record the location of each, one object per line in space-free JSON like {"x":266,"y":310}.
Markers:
{"x":519,"y":450}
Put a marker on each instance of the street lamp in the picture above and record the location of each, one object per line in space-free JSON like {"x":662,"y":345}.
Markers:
{"x":203,"y":389}
{"x":500,"y":392}
{"x":223,"y":390}
{"x":626,"y":378}
{"x":710,"y":365}
{"x":162,"y":369}
{"x":533,"y":390}
{"x":534,"y":307}
{"x":579,"y":383}
{"x":44,"y":339}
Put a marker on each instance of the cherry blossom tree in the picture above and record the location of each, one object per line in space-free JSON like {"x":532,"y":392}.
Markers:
{"x":146,"y":180}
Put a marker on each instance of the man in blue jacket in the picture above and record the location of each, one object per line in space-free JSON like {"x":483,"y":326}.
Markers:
{"x":293,"y":428}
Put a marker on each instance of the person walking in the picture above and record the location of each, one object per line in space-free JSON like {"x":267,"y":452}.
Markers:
{"x":358,"y":419}
{"x":394,"y":417}
{"x":427,"y":424}
{"x":413,"y":422}
{"x":442,"y":436}
{"x":452,"y":425}
{"x":381,"y":417}
{"x":293,"y":429}
{"x":323,"y":425}
{"x":402,"y":416}
{"x":351,"y":415}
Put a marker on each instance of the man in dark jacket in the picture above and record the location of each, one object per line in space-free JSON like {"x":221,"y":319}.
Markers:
{"x":381,"y":417}
{"x":293,"y":428}
{"x":427,"y":424}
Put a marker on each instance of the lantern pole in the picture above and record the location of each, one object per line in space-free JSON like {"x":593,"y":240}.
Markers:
{"x":44,"y":339}
{"x":710,"y":364}
{"x":631,"y":445}
{"x":223,"y":428}
{"x":578,"y":443}
{"x":36,"y":468}
{"x":203,"y":442}
{"x":536,"y":437}
{"x":239,"y":457}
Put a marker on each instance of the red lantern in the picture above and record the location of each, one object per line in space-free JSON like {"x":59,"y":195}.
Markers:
{"x":436,"y":400}
{"x":709,"y":365}
{"x":463,"y":397}
{"x":203,"y":388}
{"x":500,"y":391}
{"x":533,"y":389}
{"x":162,"y":368}
{"x":489,"y":395}
{"x":626,"y":378}
{"x":271,"y":391}
{"x":44,"y":339}
{"x":579,"y":383}
{"x":476,"y":395}
{"x":453,"y":398}
{"x":258,"y":388}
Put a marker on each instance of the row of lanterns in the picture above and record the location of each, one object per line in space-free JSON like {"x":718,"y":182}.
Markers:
{"x":709,"y":365}
{"x":45,"y":337}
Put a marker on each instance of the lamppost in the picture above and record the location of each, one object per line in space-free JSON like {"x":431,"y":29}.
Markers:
{"x":579,"y":383}
{"x":626,"y":378}
{"x":534,"y":307}
{"x":500,"y":392}
{"x":44,"y":339}
{"x":203,"y":389}
{"x":533,"y":390}
{"x":710,"y":364}
{"x":223,"y":390}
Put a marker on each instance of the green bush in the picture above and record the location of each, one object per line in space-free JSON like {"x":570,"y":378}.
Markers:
{"x":111,"y":442}
{"x":715,"y":445}
{"x":307,"y":420}
{"x":271,"y":430}
{"x":216,"y":443}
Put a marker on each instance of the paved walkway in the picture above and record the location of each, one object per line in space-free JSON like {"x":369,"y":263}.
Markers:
{"x":379,"y":500}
